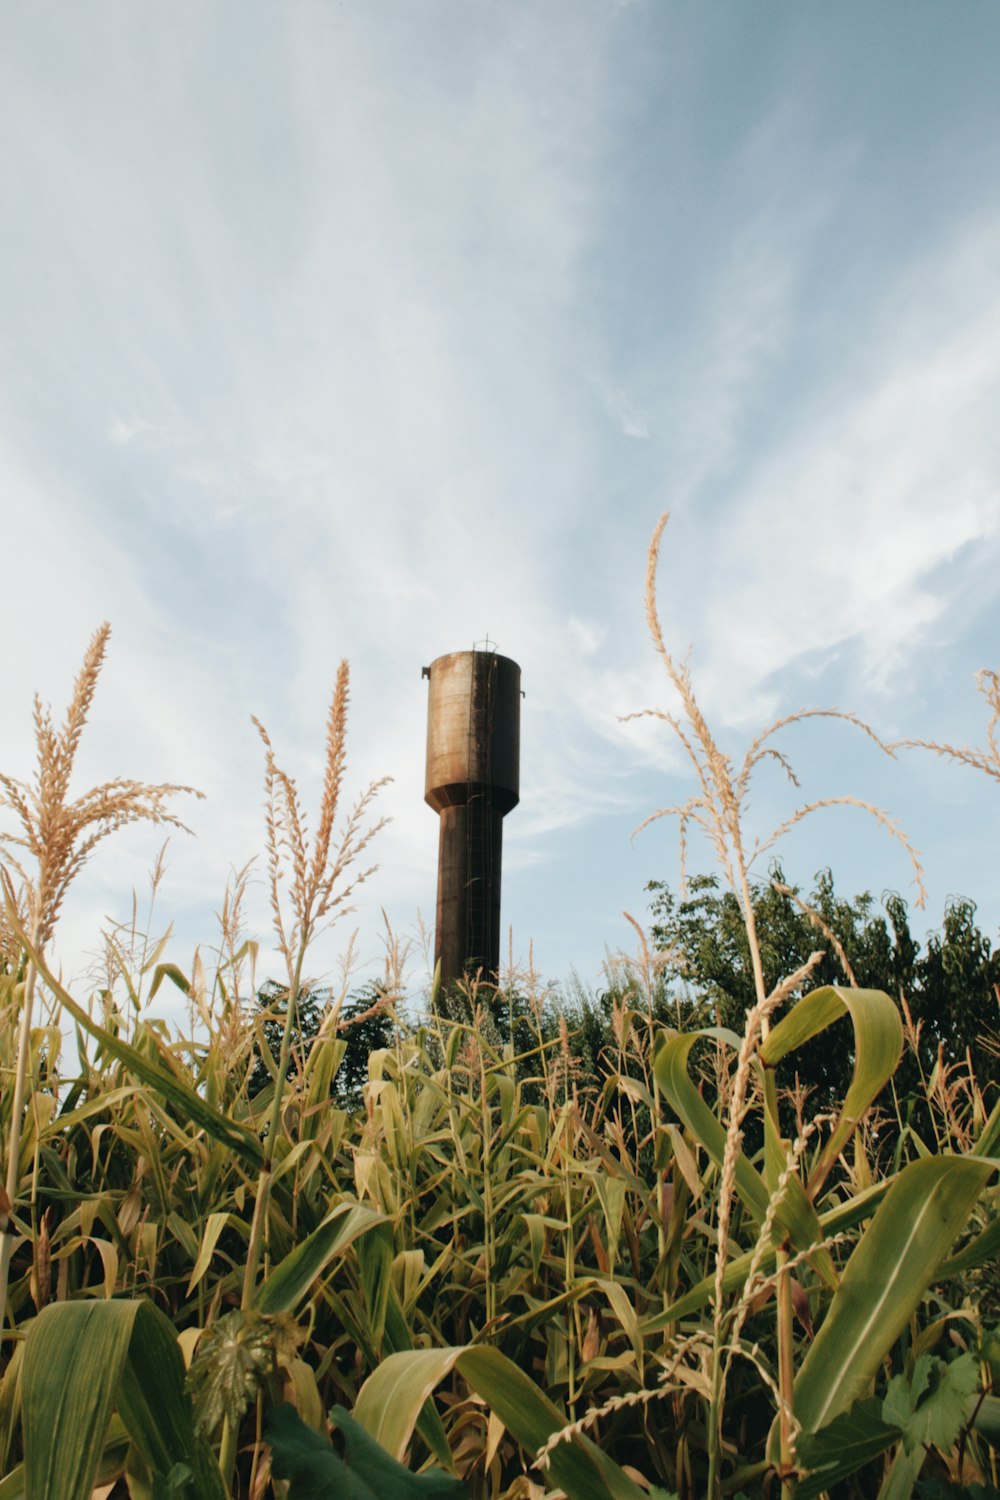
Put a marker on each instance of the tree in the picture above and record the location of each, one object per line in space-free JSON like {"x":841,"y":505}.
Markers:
{"x":364,"y":1036}
{"x":950,"y":988}
{"x":957,"y":998}
{"x":361,"y":1036}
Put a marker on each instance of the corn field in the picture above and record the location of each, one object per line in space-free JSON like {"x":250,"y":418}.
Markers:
{"x":493,"y":1276}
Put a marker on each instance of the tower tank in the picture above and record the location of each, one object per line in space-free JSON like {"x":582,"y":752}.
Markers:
{"x":473,"y":758}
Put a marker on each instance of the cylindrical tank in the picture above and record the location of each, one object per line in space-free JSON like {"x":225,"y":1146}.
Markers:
{"x":473,"y":753}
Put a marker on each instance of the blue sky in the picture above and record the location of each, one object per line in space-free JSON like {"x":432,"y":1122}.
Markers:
{"x":366,"y":329}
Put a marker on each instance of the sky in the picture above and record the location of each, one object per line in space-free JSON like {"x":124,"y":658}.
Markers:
{"x":368,"y":330}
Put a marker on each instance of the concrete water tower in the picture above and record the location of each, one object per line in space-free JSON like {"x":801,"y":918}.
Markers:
{"x":473,"y":755}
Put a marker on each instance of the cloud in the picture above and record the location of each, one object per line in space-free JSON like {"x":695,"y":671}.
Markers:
{"x":630,"y":418}
{"x":845,"y":532}
{"x":336,"y":350}
{"x":125,"y":431}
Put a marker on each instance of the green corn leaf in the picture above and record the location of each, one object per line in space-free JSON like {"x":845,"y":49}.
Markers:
{"x":392,"y":1398}
{"x":154,"y":1409}
{"x":833,"y":1221}
{"x":214,"y":1225}
{"x":65,"y":1418}
{"x":111,"y":1464}
{"x":895,"y":1261}
{"x":12,"y":1484}
{"x":985,"y":1415}
{"x":980,"y":1249}
{"x":102,"y":1103}
{"x":365,"y":1472}
{"x":536,"y":1238}
{"x":81,"y":1361}
{"x":989,"y":1137}
{"x":612,"y":1192}
{"x":852,"y":1439}
{"x":429,"y":1425}
{"x":902,"y":1476}
{"x":166,"y":1083}
{"x":325,"y":1056}
{"x":878,"y":1041}
{"x":676,"y":1082}
{"x":374,"y":1261}
{"x":172,"y":1486}
{"x":795,"y":1213}
{"x":944,"y":1489}
{"x":174,"y":974}
{"x":10,"y":1403}
{"x":296,"y":1276}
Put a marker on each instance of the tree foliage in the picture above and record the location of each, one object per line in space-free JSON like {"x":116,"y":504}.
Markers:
{"x":949,"y":984}
{"x":362,"y":1027}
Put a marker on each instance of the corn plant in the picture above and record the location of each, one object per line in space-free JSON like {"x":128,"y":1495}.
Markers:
{"x":504,"y":1270}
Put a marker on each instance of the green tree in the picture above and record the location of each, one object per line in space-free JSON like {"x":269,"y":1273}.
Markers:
{"x":375,"y":1029}
{"x":957,"y":996}
{"x":949,"y":987}
{"x":366,"y":1028}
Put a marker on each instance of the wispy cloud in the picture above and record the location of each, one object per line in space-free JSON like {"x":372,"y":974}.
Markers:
{"x":843,"y":532}
{"x":340,"y":349}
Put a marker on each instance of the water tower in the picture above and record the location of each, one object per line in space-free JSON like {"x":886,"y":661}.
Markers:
{"x":473,"y":755}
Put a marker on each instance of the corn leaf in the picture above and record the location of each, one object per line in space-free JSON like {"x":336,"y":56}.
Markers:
{"x":10,"y":1403}
{"x":366,"y":1472}
{"x":982,"y":1248}
{"x":190,"y":1104}
{"x":878,"y":1041}
{"x":852,"y":1439}
{"x":989,"y":1137}
{"x":795,"y":1213}
{"x":833,"y":1221}
{"x":902,"y":1476}
{"x":896,"y":1260}
{"x":174,"y":974}
{"x":676,"y":1082}
{"x":82,"y":1360}
{"x":110,"y":1465}
{"x":214,"y":1226}
{"x":290,"y":1281}
{"x":392,"y":1397}
{"x":986,"y":1419}
{"x":374,"y":1262}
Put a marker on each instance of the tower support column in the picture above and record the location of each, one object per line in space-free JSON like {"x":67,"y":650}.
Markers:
{"x":473,"y":752}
